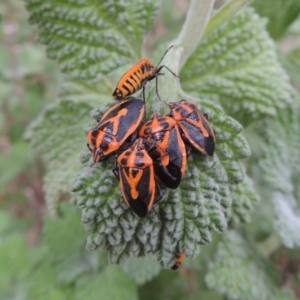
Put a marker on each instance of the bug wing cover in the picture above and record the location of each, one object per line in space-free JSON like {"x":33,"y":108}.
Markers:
{"x":171,"y":174}
{"x":139,"y":197}
{"x":177,"y":150}
{"x":192,"y":128}
{"x":130,"y":122}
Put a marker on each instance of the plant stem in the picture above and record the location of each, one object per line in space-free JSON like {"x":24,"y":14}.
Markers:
{"x":197,"y":17}
{"x":226,"y":12}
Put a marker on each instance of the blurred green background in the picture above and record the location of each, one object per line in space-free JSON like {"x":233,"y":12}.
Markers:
{"x":40,"y":257}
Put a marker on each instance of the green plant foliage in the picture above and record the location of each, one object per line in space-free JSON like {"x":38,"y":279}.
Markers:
{"x":22,"y":157}
{"x":91,"y":39}
{"x":280,"y":14}
{"x":141,"y":269}
{"x":244,"y":200}
{"x":112,"y":283}
{"x":234,"y":272}
{"x":15,"y":261}
{"x":57,"y":134}
{"x":281,"y":173}
{"x":234,"y":65}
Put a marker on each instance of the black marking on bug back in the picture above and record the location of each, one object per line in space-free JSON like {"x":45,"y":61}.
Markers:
{"x":95,"y":133}
{"x":195,"y":134}
{"x":164,"y":126}
{"x":123,"y":162}
{"x":170,"y":175}
{"x":134,"y":172}
{"x":158,"y":136}
{"x":139,"y":207}
{"x":111,"y":114}
{"x":161,"y":119}
{"x":139,"y":163}
{"x":132,"y":78}
{"x":210,"y":145}
{"x":195,"y":116}
{"x":105,"y":142}
{"x":126,"y":88}
{"x":175,"y":153}
{"x":140,"y":204}
{"x":144,"y":185}
{"x":129,"y":82}
{"x":143,"y":68}
{"x":134,"y":108}
{"x":148,"y":131}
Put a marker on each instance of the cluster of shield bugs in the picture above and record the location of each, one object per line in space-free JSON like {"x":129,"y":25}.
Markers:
{"x":158,"y":154}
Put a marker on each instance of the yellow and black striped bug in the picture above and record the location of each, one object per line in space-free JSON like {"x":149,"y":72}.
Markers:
{"x":135,"y":173}
{"x":179,"y":259}
{"x":195,"y":126}
{"x":115,"y":127}
{"x":136,"y":78}
{"x":169,"y":152}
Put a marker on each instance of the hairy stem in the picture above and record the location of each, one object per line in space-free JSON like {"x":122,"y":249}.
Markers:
{"x":197,"y":17}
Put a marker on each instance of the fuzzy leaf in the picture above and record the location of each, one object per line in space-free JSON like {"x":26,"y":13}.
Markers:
{"x":234,"y":273}
{"x":281,"y":172}
{"x":141,"y":269}
{"x":110,"y":284}
{"x":90,"y":39}
{"x":244,"y":199}
{"x":57,"y":134}
{"x":237,"y":66}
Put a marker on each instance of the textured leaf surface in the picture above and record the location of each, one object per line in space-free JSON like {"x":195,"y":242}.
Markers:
{"x":141,"y":269}
{"x":58,"y":135}
{"x":281,"y":172}
{"x":237,"y":66}
{"x":234,"y":273}
{"x":111,"y":284}
{"x":90,"y":39}
{"x":244,"y":200}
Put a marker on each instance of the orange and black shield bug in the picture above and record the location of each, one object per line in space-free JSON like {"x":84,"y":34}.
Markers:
{"x":114,"y":128}
{"x":179,"y":259}
{"x":136,"y":175}
{"x":136,"y":78}
{"x":195,"y":126}
{"x":169,"y":152}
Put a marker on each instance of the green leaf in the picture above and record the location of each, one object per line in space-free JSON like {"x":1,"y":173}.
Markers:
{"x":244,"y":199}
{"x":58,"y":135}
{"x":62,"y":236}
{"x":284,"y":295}
{"x":43,"y":284}
{"x":15,"y":261}
{"x":90,"y":39}
{"x":234,"y":273}
{"x":280,"y":14}
{"x":12,"y":163}
{"x":141,"y":269}
{"x":111,"y":284}
{"x":237,"y":66}
{"x":281,"y":173}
